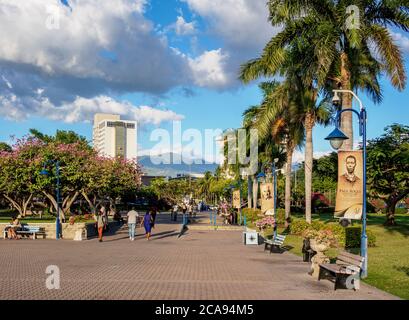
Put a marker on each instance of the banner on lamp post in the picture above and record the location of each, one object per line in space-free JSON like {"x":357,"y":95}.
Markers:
{"x":350,"y":185}
{"x":267,"y":197}
{"x":236,"y":199}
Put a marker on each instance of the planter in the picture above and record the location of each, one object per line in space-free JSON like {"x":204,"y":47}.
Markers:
{"x":319,"y":258}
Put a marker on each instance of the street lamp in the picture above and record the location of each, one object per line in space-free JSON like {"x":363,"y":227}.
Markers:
{"x":336,"y":139}
{"x":275,"y":196}
{"x":45,"y":172}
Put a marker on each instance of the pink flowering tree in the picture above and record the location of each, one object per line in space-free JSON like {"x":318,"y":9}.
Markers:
{"x":109,"y":179}
{"x":19,"y":167}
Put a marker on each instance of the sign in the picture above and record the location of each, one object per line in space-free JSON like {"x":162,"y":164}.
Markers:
{"x":350,"y":185}
{"x":236,"y":199}
{"x":251,"y":238}
{"x":267,"y":197}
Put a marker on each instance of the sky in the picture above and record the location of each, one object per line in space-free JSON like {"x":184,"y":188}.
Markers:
{"x":153,"y":61}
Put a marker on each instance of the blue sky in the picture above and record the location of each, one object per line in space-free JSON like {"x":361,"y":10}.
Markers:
{"x":153,"y":61}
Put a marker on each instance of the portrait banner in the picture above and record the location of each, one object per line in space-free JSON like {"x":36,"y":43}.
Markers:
{"x":350,"y":185}
{"x":267,"y":197}
{"x":236,"y":199}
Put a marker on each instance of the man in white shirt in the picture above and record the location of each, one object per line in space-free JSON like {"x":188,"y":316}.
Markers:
{"x":132,"y":217}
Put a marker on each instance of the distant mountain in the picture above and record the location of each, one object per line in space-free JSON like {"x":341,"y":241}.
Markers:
{"x":150,"y":167}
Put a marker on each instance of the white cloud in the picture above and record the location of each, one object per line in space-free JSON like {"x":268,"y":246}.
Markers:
{"x":243,"y":27}
{"x":209,"y":69}
{"x":183,"y":28}
{"x":97,"y":48}
{"x":83,"y":110}
{"x":242,"y":23}
{"x":401,"y":40}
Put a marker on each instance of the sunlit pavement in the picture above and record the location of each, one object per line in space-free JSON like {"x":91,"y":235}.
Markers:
{"x":202,"y":264}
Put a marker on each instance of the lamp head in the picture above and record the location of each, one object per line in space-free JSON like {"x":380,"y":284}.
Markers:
{"x":336,"y":138}
{"x":44,"y":172}
{"x":336,"y":100}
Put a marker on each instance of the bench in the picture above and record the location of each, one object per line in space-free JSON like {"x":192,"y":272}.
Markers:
{"x":346,"y":265}
{"x":274,"y":244}
{"x":28,"y":230}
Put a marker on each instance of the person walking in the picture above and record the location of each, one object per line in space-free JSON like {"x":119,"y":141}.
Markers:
{"x":147,"y":224}
{"x":100,"y":222}
{"x":174,"y":212}
{"x":154,"y":211}
{"x":132,"y":217}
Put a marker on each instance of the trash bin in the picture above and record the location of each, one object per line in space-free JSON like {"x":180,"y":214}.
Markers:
{"x":308,"y":253}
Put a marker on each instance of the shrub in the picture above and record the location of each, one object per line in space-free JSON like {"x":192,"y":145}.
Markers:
{"x":298,"y":226}
{"x":251,"y":214}
{"x":349,"y":237}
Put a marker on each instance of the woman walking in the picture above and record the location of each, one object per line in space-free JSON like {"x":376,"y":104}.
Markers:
{"x":147,"y":224}
{"x":100,"y":218}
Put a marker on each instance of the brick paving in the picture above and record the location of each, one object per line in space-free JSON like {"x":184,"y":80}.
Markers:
{"x":201,"y":265}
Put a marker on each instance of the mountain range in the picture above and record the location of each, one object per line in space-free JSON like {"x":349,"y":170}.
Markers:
{"x":151,"y":168}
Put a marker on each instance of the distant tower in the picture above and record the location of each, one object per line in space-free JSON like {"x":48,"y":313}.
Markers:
{"x":113,"y":137}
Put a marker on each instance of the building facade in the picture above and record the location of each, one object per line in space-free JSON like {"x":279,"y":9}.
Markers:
{"x":113,"y":137}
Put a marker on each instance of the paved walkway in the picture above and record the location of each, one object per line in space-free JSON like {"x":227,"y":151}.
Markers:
{"x":200,"y":265}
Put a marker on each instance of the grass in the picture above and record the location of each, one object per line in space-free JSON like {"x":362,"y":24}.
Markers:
{"x":388,"y":261}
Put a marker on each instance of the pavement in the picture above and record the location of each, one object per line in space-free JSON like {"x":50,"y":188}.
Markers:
{"x":200,"y":265}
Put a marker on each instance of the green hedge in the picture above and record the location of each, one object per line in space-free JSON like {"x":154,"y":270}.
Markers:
{"x":349,"y":237}
{"x":251,"y":214}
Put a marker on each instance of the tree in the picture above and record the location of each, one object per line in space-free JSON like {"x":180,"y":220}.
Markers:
{"x":342,"y":53}
{"x":277,"y":118}
{"x":18,"y":171}
{"x":61,"y":136}
{"x":172,"y":191}
{"x":388,"y":168}
{"x":5,"y":147}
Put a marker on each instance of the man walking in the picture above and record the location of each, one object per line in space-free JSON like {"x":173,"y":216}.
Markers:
{"x":132,"y":217}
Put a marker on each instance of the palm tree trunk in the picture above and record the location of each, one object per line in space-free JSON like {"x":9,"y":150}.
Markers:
{"x":288,"y":169}
{"x":309,"y":125}
{"x":249,"y":191}
{"x":346,"y":117}
{"x":255,"y":192}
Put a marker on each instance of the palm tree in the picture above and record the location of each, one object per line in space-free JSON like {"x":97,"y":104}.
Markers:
{"x":348,"y":56}
{"x":276,"y":118}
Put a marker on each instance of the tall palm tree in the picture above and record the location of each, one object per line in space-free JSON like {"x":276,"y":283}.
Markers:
{"x":349,"y":56}
{"x":276,"y":118}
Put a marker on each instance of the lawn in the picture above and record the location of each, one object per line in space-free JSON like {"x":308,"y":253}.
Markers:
{"x":388,"y":262}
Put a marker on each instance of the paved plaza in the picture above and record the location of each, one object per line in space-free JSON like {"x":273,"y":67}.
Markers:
{"x":202,"y":264}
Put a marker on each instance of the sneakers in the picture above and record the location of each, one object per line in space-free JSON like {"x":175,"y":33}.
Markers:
{"x":100,"y":240}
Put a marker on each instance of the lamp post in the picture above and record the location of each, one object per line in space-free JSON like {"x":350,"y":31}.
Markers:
{"x":336,"y":138}
{"x":46,"y":173}
{"x":275,"y":196}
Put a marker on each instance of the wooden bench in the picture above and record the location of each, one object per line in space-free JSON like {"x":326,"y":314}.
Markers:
{"x":28,"y":230}
{"x":274,"y":244}
{"x":346,"y":265}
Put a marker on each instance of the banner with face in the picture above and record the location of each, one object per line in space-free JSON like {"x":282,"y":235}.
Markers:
{"x":350,"y":185}
{"x":267,"y":196}
{"x":236,"y":199}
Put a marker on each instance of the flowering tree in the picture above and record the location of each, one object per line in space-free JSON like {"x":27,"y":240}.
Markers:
{"x":18,"y":170}
{"x":82,"y":172}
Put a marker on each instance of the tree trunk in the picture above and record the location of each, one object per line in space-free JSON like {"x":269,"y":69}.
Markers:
{"x":15,"y":205}
{"x":390,"y":211}
{"x":309,"y":125}
{"x":346,"y":117}
{"x":55,"y":205}
{"x":255,"y":192}
{"x":288,"y":169}
{"x":249,"y":191}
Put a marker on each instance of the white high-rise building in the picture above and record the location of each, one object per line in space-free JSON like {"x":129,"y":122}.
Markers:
{"x":113,"y":137}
